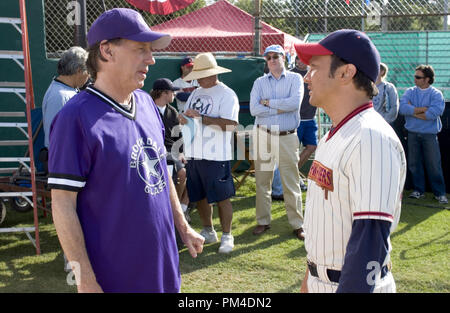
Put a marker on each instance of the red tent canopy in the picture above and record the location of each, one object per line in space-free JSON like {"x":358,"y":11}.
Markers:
{"x":221,"y":27}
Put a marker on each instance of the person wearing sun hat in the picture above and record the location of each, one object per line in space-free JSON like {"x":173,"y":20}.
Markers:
{"x":114,"y":204}
{"x":209,"y":178}
{"x":356,"y":180}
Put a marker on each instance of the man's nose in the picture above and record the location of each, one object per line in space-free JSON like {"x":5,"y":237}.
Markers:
{"x":149,"y":59}
{"x":307,"y":77}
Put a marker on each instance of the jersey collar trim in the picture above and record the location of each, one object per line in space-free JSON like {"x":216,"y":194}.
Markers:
{"x":349,"y":117}
{"x":131,"y":114}
{"x":60,"y":82}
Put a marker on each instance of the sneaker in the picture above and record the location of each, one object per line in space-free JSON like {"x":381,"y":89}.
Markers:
{"x":226,"y":244}
{"x":210,"y":236}
{"x":442,"y":199}
{"x":303,"y":187}
{"x":416,"y":195}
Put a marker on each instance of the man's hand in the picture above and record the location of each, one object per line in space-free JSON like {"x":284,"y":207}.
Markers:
{"x":182,"y":119}
{"x":193,"y":241}
{"x":421,"y":116}
{"x":418,"y":110}
{"x":89,"y":287}
{"x":182,"y":158}
{"x":265,"y":102}
{"x":192,"y":113}
{"x":304,"y":287}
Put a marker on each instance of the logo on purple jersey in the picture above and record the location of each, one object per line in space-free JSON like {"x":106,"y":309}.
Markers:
{"x":146,"y":158}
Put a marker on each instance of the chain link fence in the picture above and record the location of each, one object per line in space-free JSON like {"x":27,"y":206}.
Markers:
{"x":217,"y":26}
{"x":407,"y":32}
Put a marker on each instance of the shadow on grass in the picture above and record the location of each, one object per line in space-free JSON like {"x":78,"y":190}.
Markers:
{"x":435,"y":241}
{"x":21,"y":270}
{"x":246,"y":243}
{"x":416,"y":211}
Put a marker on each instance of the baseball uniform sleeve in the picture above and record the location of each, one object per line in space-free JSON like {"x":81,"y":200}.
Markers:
{"x":374,"y":170}
{"x":368,"y":243}
{"x":69,"y":156}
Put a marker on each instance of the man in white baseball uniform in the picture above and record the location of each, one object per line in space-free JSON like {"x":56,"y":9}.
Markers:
{"x":356,"y":180}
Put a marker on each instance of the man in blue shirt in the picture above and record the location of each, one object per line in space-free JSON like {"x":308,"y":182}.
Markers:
{"x":72,"y":75}
{"x":422,"y":106}
{"x":275,"y":102}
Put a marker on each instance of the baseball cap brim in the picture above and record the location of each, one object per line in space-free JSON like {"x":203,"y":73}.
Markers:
{"x":158,"y":40}
{"x":305,"y":51}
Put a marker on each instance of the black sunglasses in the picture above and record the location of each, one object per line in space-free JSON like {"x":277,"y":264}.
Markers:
{"x":419,"y":77}
{"x":276,"y":56}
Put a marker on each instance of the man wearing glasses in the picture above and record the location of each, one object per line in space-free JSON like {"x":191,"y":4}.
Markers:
{"x":275,"y":102}
{"x":422,"y":106}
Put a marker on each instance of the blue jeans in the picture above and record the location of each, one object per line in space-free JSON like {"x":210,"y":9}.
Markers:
{"x":423,"y":151}
{"x":277,"y":187}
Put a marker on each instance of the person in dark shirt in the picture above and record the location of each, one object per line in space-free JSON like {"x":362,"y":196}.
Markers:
{"x":163,"y":94}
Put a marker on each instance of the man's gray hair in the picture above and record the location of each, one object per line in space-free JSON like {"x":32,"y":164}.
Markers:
{"x":72,"y":61}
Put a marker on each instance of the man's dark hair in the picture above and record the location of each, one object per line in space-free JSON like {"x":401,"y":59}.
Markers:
{"x":361,"y":81}
{"x":155,"y":94}
{"x":427,"y":71}
{"x":95,"y":55}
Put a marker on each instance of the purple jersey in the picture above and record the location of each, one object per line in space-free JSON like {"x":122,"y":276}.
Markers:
{"x":115,"y":160}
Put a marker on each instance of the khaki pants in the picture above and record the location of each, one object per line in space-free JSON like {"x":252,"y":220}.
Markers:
{"x":269,"y":150}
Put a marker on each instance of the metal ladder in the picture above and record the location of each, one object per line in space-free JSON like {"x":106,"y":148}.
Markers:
{"x":21,"y":89}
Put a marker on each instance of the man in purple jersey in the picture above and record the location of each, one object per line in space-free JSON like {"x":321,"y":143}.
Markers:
{"x":114,"y":203}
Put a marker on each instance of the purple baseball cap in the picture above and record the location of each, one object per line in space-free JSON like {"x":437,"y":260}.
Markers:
{"x":350,"y":45}
{"x":127,"y":24}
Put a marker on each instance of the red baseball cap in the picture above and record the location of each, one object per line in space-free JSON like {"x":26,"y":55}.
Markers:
{"x":187,"y":61}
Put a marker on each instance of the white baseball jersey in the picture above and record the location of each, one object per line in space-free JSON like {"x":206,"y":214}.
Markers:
{"x":358,"y":173}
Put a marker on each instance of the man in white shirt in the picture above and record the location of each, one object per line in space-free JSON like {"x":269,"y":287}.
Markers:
{"x":209,"y":177}
{"x":186,"y":87}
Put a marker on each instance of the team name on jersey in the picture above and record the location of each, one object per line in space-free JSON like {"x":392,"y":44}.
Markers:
{"x":322,"y":176}
{"x":146,"y":158}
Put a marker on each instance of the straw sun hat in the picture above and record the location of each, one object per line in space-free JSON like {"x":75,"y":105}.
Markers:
{"x":205,"y":65}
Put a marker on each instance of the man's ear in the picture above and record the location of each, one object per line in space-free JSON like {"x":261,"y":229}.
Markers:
{"x":106,"y":50}
{"x":348,"y":72}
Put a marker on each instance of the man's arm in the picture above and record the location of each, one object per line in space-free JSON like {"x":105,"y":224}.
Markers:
{"x":256,"y":107}
{"x":71,"y":237}
{"x":405,"y":107}
{"x":391,"y":115}
{"x":304,"y":287}
{"x":291,"y":102}
{"x":436,"y":106}
{"x":223,"y":123}
{"x":192,"y":240}
{"x":368,"y":245}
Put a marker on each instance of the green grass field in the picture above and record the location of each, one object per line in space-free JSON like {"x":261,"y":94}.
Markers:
{"x":273,"y":262}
